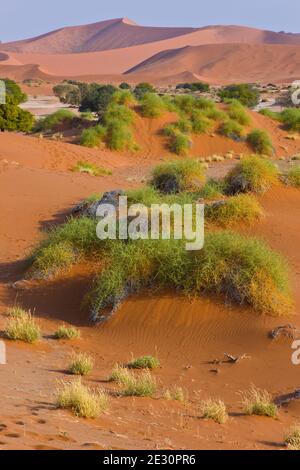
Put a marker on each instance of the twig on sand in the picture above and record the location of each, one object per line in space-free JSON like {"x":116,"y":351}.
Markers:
{"x":235,"y":359}
{"x":286,"y":399}
{"x":288,"y":331}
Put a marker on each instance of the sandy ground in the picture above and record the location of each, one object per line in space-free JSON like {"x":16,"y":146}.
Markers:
{"x":37,"y":189}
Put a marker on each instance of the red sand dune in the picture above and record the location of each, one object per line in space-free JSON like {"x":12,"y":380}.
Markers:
{"x":111,"y":48}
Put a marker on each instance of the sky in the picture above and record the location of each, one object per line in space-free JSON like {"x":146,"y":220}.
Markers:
{"x":20,"y":19}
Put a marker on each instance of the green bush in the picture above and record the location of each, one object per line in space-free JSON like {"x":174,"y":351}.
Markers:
{"x":81,"y":365}
{"x":118,"y":113}
{"x":180,"y":144}
{"x":247,"y":94}
{"x":119,"y":136}
{"x":238,"y":113}
{"x":252,"y":174}
{"x":291,"y":119}
{"x":213,"y":189}
{"x":293,"y":176}
{"x":231,"y":129}
{"x":260,"y":142}
{"x":183,"y":125}
{"x":184,"y":104}
{"x":50,"y":122}
{"x":125,"y":86}
{"x":195,"y":86}
{"x":52,"y":259}
{"x":142,"y":88}
{"x":12,"y":117}
{"x":93,"y":136}
{"x":270,"y":114}
{"x":242,"y":208}
{"x":200,"y":123}
{"x":124,"y":97}
{"x":151,"y":105}
{"x":90,"y":169}
{"x":144,"y":362}
{"x":96,"y":98}
{"x":66,"y":332}
{"x":178,"y":176}
{"x":23,"y":328}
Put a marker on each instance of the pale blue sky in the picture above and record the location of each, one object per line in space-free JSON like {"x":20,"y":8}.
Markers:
{"x":26,"y":18}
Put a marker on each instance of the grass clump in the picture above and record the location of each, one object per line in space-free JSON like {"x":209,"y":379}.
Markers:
{"x":17,"y":312}
{"x":213,"y":189}
{"x":270,"y":114}
{"x":139,"y":385}
{"x":152,"y":106}
{"x":119,"y":374}
{"x":53,"y":120}
{"x":81,"y":365}
{"x":119,"y":136}
{"x":93,"y":136}
{"x":91,"y":169}
{"x":252,"y":174}
{"x":144,"y":362}
{"x":67,"y":332}
{"x":231,"y":129}
{"x":259,"y":402}
{"x":81,"y":400}
{"x":51,"y":259}
{"x":180,"y":143}
{"x":176,"y":394}
{"x":200,"y":123}
{"x":292,"y":439}
{"x":124,"y":97}
{"x":291,"y":119}
{"x":293,"y":176}
{"x":214,"y":410}
{"x":243,"y":208}
{"x":178,"y":176}
{"x":260,"y":141}
{"x":237,"y":112}
{"x":23,"y":328}
{"x":120,"y":113}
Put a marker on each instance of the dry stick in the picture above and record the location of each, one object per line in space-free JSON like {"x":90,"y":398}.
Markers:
{"x":235,"y":359}
{"x":286,"y":399}
{"x":289,"y":330}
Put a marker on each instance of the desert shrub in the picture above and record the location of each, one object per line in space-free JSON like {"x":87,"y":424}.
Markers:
{"x":204,"y":104}
{"x":53,"y":258}
{"x":178,"y":176}
{"x":293,"y":176}
{"x":124,"y":98}
{"x":96,"y":98}
{"x":177,"y":394}
{"x":260,"y":141}
{"x":149,"y":195}
{"x":244,"y":270}
{"x":291,"y":119}
{"x":200,"y":123}
{"x":144,"y":362}
{"x":213,"y":189}
{"x":215,"y":114}
{"x":87,"y":116}
{"x":238,"y":113}
{"x":119,"y":136}
{"x":231,"y":129}
{"x":142,"y":88}
{"x":139,"y":385}
{"x":292,"y":439}
{"x":242,"y":208}
{"x":183,"y":125}
{"x":50,"y":122}
{"x":270,"y":114}
{"x":184,"y":103}
{"x":151,"y":105}
{"x":81,"y":365}
{"x":125,"y":86}
{"x":252,"y":174}
{"x":247,"y":94}
{"x":23,"y":328}
{"x":66,"y":332}
{"x":180,"y":144}
{"x":214,"y":410}
{"x":91,"y":169}
{"x":12,"y":117}
{"x":118,"y":112}
{"x":119,"y":374}
{"x":241,"y":269}
{"x":93,"y":136}
{"x":259,"y":402}
{"x":195,"y":86}
{"x":81,"y":400}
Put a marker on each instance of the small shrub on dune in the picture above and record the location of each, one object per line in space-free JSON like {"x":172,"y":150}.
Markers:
{"x":178,"y":176}
{"x":292,"y":439}
{"x":180,"y":144}
{"x":81,"y":365}
{"x":120,"y":113}
{"x":87,"y":116}
{"x":260,"y":142}
{"x":50,"y":122}
{"x":177,"y":394}
{"x":67,"y":332}
{"x":259,"y":402}
{"x":81,"y":400}
{"x":91,"y":169}
{"x":144,"y":362}
{"x":151,"y":105}
{"x":213,"y":189}
{"x":246,"y":93}
{"x":23,"y":328}
{"x":242,"y":208}
{"x":93,"y":136}
{"x":200,"y":123}
{"x":252,"y":174}
{"x":51,"y":259}
{"x":183,"y":125}
{"x":270,"y":114}
{"x":293,"y":176}
{"x":139,"y":385}
{"x":238,"y":113}
{"x":231,"y":129}
{"x":214,"y":410}
{"x":149,"y":195}
{"x":119,"y":137}
{"x":119,"y":374}
{"x":124,"y":97}
{"x":291,"y":119}
{"x":204,"y":104}
{"x":215,"y":114}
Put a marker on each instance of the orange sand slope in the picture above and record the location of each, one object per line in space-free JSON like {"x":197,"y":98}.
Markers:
{"x":116,"y":46}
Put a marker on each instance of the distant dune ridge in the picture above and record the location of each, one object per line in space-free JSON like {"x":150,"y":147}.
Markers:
{"x":106,"y":50}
